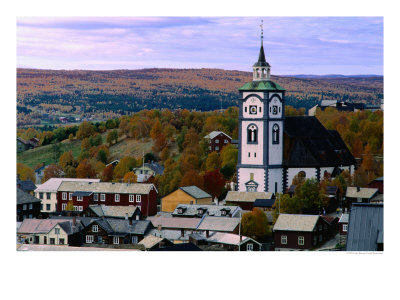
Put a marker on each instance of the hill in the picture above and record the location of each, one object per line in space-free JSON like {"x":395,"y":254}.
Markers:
{"x":105,"y":94}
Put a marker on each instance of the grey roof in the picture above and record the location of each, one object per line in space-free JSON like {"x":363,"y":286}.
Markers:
{"x":156,"y":167}
{"x":219,"y":224}
{"x":30,"y":226}
{"x":247,"y":196}
{"x":26,"y":185}
{"x":294,"y":222}
{"x":328,"y":103}
{"x":365,"y":229}
{"x":364,"y":193}
{"x":106,"y":187}
{"x":378,"y":198}
{"x":344,"y":218}
{"x":79,"y":193}
{"x":113,"y":211}
{"x":264,"y":202}
{"x":195,"y":192}
{"x":171,"y":234}
{"x":177,"y":223}
{"x":122,"y":227}
{"x":213,"y":134}
{"x":52,"y":184}
{"x":23,"y":198}
{"x":229,"y":239}
{"x":211,"y":210}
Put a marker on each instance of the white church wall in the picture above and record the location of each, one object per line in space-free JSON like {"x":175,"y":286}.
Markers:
{"x":275,"y":102}
{"x":328,"y":169}
{"x":253,"y":101}
{"x":275,"y":176}
{"x":310,"y":173}
{"x":255,"y":150}
{"x":275,"y":150}
{"x":260,"y":94}
{"x":245,"y":175}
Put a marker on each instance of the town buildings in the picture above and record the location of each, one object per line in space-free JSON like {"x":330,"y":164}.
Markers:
{"x":217,"y":140}
{"x":185,"y":195}
{"x":28,"y":207}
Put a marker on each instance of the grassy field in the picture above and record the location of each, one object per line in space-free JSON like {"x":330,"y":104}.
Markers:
{"x":124,"y":147}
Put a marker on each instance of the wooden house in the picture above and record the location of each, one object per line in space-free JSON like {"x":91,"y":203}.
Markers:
{"x":185,"y":195}
{"x":343,"y":227}
{"x":28,"y":207}
{"x":217,"y":140}
{"x":151,"y":242}
{"x":246,"y":200}
{"x":377,"y":183}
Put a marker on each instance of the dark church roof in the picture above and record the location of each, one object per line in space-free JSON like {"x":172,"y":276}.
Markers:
{"x":308,"y":144}
{"x":261,"y":59}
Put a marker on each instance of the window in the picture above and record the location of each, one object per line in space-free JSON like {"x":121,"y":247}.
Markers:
{"x":36,"y":240}
{"x":52,"y":241}
{"x":216,"y":148}
{"x":76,"y":208}
{"x":79,"y":198}
{"x":255,"y":154}
{"x":260,"y":108}
{"x":217,"y":141}
{"x":61,"y":242}
{"x":63,"y":206}
{"x":70,"y":196}
{"x":116,"y":240}
{"x":99,"y":239}
{"x":209,"y":147}
{"x":134,"y":240}
{"x":116,"y":197}
{"x":249,"y":154}
{"x":275,"y":134}
{"x":24,"y":207}
{"x":89,"y":239}
{"x":57,"y":230}
{"x":345,"y":227}
{"x":41,"y":206}
{"x":40,"y":195}
{"x":315,"y":240}
{"x":80,"y":208}
{"x":226,"y":141}
{"x":30,"y":216}
{"x":252,"y":134}
{"x":274,"y":109}
{"x":48,"y":196}
{"x":96,"y":197}
{"x":249,"y":247}
{"x":319,"y":227}
{"x":138,"y":198}
{"x":300,"y":240}
{"x":64,"y":196}
{"x":245,"y":109}
{"x":320,"y":237}
{"x":325,"y":226}
{"x":95,"y":228}
{"x":131,"y":198}
{"x":102,"y":197}
{"x":45,"y":240}
{"x":283,"y":239}
{"x":30,"y":205}
{"x":223,"y":212}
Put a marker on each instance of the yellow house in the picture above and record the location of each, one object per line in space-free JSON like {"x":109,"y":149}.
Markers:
{"x":185,"y":195}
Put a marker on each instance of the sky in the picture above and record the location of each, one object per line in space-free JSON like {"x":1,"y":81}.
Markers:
{"x":293,"y":45}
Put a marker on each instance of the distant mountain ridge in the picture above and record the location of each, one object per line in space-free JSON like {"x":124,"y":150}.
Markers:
{"x":332,"y":76}
{"x":125,"y":91}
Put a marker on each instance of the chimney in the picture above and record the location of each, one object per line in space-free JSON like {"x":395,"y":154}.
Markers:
{"x":159,"y":227}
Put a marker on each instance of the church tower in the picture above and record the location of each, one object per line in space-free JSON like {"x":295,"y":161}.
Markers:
{"x":261,"y":121}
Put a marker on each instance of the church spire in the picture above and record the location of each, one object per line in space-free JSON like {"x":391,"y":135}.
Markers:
{"x":261,"y":69}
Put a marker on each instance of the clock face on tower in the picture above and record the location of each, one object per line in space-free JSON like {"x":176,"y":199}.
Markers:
{"x":253,"y":109}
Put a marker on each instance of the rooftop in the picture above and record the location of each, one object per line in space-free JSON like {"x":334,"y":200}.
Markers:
{"x":292,"y":222}
{"x":106,"y":187}
{"x":30,"y":226}
{"x":113,"y":211}
{"x":211,"y":210}
{"x":213,"y":134}
{"x":195,"y":192}
{"x":219,"y":224}
{"x":177,"y":223}
{"x":365,"y":193}
{"x":266,"y":85}
{"x":53,"y":184}
{"x":247,"y":196}
{"x":23,"y":198}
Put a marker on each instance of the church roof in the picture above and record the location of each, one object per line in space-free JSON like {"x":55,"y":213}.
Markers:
{"x":261,"y":59}
{"x":265,"y":85}
{"x":309,"y":144}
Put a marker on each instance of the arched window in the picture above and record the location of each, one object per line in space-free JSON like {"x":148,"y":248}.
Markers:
{"x":252,"y":133}
{"x":275,"y":134}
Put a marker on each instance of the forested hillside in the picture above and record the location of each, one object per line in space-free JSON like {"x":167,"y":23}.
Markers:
{"x":107,"y":94}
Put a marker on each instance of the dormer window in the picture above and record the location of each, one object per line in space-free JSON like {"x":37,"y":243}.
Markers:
{"x":180,"y":210}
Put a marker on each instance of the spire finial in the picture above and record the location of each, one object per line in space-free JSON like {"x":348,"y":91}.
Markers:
{"x":262,"y":31}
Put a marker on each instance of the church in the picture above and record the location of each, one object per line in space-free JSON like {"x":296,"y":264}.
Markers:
{"x":273,"y":148}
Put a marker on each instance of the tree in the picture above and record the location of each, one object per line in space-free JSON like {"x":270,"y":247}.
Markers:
{"x":25,"y":173}
{"x":124,"y":166}
{"x":149,"y":157}
{"x":56,"y":151}
{"x":310,"y":196}
{"x":164,"y":155}
{"x":85,"y":170}
{"x":85,"y":145}
{"x":107,"y":174}
{"x":255,"y":225}
{"x":66,"y":159}
{"x":159,"y":143}
{"x":112,"y":136}
{"x":228,"y":171}
{"x":192,"y":177}
{"x":285,"y":204}
{"x":102,"y":156}
{"x":71,"y":137}
{"x":85,"y":130}
{"x":52,"y":171}
{"x":156,"y":130}
{"x":229,"y":155}
{"x":214,"y":183}
{"x":70,"y":171}
{"x":130,"y":177}
{"x":96,"y":140}
{"x":213,"y":162}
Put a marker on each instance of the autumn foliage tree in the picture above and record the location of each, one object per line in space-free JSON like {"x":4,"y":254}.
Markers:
{"x":130,"y":177}
{"x":192,"y":177}
{"x":85,"y":130}
{"x":85,"y":170}
{"x":255,"y":225}
{"x":214,"y":183}
{"x":25,"y":173}
{"x":107,"y":175}
{"x":52,"y":171}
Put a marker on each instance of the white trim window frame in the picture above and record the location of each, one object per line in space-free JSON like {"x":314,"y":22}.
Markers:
{"x":116,"y":197}
{"x":89,"y":239}
{"x":249,"y":247}
{"x":95,"y":228}
{"x":102,"y":197}
{"x":138,"y":198}
{"x":300,"y":240}
{"x":345,"y":227}
{"x":69,"y":196}
{"x":131,"y":198}
{"x":96,"y":197}
{"x":80,"y":208}
{"x":116,"y":240}
{"x":79,"y":198}
{"x":63,"y":206}
{"x":64,"y":196}
{"x":284,"y":239}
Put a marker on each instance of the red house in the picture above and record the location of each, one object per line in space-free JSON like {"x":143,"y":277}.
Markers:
{"x":83,"y":194}
{"x":217,"y":140}
{"x":377,"y":183}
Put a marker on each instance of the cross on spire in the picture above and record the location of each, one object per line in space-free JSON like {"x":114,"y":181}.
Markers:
{"x":262,"y":31}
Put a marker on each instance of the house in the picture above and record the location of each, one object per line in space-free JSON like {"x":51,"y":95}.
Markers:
{"x":111,"y":231}
{"x":365,"y":229}
{"x":47,"y":192}
{"x":39,"y":173}
{"x":246,"y":200}
{"x":377,"y":183}
{"x":198,"y":210}
{"x":217,"y":140}
{"x":343,"y":226}
{"x":355,"y":194}
{"x":274,"y":148}
{"x":117,"y":212}
{"x":185,"y":195}
{"x":211,"y":224}
{"x":151,"y":242}
{"x":48,"y":232}
{"x":23,"y":145}
{"x":114,"y":163}
{"x":299,"y":232}
{"x":28,"y":207}
{"x":264,"y":204}
{"x":26,"y":185}
{"x":225,"y":241}
{"x":337,"y":104}
{"x":144,"y":172}
{"x":82,"y":194}
{"x":378,"y":198}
